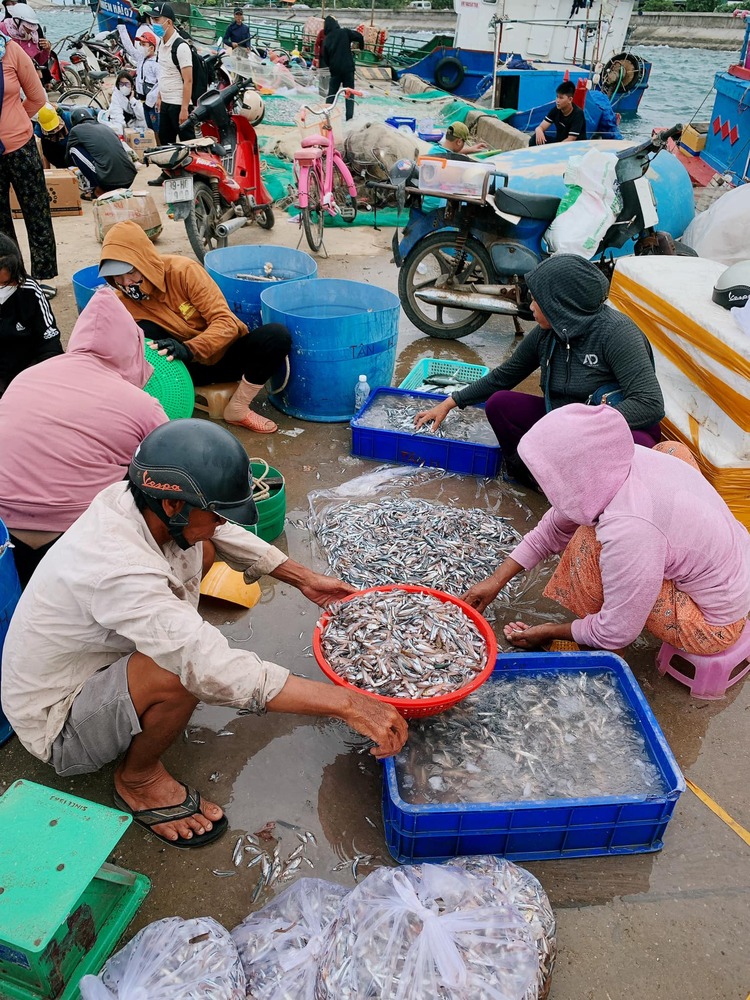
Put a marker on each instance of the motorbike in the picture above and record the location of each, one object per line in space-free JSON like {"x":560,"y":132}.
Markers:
{"x":214,"y":182}
{"x":461,"y":263}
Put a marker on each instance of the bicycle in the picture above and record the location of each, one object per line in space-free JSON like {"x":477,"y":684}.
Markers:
{"x":324,"y":182}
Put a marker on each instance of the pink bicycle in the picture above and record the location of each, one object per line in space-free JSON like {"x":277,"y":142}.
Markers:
{"x":323,"y":180}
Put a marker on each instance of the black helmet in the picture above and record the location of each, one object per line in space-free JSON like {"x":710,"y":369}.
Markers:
{"x":79,"y":115}
{"x":200,"y":463}
{"x":732,"y":290}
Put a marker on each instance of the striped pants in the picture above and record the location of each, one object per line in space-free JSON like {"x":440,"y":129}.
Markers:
{"x":22,"y":169}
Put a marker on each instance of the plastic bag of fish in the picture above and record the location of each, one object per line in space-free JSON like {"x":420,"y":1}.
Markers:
{"x":172,"y":959}
{"x":281,"y":943}
{"x":424,"y":931}
{"x":526,"y":895}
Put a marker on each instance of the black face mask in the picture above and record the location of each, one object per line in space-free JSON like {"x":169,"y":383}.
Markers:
{"x":134,"y":292}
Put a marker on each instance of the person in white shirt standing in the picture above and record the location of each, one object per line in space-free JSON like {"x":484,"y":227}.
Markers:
{"x":175,"y":81}
{"x":143,"y":53}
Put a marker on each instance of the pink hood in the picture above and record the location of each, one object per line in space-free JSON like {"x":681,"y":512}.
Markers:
{"x":107,"y":332}
{"x":69,"y":425}
{"x":581,"y":456}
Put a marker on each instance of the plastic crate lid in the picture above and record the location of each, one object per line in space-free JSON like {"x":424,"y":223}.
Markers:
{"x":171,"y":385}
{"x":51,"y":848}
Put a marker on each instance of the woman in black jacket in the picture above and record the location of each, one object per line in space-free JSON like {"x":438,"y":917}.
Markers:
{"x":28,"y":329}
{"x":586,"y":352}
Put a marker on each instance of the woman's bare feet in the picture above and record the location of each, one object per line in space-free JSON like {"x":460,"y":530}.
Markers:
{"x":160,"y":790}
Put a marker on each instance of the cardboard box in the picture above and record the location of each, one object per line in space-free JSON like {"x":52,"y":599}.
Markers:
{"x":64,"y":195}
{"x":140,"y":139}
{"x":126,"y":206}
{"x":693,"y":138}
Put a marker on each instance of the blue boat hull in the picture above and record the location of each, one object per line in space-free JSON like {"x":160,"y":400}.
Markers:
{"x":526,"y":90}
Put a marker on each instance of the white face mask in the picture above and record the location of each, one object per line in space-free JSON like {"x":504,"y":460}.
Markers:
{"x":5,"y":293}
{"x":125,"y":88}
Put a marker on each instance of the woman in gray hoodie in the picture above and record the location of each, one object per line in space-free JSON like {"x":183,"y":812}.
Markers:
{"x":586,"y":351}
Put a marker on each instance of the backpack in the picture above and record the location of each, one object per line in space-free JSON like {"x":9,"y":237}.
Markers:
{"x":201,"y":81}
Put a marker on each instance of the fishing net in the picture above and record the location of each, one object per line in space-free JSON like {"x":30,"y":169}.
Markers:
{"x":426,"y":931}
{"x":424,"y":527}
{"x":281,"y":943}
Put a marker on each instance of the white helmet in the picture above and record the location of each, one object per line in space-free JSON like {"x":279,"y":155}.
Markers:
{"x":24,"y":12}
{"x":254,"y":104}
{"x":732,"y":289}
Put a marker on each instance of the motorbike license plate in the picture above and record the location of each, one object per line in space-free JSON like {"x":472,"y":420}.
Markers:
{"x":178,"y":189}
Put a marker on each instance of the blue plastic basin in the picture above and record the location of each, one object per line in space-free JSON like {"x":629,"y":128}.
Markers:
{"x":85,"y":283}
{"x":243,"y":296}
{"x":340,"y":330}
{"x":10,"y":591}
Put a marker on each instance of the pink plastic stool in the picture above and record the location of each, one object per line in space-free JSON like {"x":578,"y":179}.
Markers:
{"x":712,"y":673}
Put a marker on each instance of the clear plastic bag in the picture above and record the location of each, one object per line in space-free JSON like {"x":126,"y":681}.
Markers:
{"x":425,"y":527}
{"x":280,"y":944}
{"x":426,"y":931}
{"x":172,"y":959}
{"x":525,"y":894}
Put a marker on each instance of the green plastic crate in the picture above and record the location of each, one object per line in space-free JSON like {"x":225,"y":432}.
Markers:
{"x":62,"y":907}
{"x":434,"y":366}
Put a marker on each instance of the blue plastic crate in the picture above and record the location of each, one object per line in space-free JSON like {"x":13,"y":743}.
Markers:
{"x":398,"y":121}
{"x":422,"y":449}
{"x":436,"y":366}
{"x":557,"y":828}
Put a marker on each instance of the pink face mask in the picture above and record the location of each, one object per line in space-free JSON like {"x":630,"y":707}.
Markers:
{"x":28,"y":31}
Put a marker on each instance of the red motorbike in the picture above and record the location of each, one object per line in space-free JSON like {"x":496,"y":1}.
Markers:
{"x":214,"y":182}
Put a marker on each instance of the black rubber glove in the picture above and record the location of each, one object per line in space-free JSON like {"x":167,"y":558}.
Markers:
{"x":172,"y":349}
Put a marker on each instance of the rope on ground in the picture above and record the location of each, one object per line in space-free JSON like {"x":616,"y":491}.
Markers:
{"x":715,"y":808}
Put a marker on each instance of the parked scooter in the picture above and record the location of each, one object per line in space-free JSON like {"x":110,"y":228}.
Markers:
{"x":215,"y":182}
{"x":464,"y":262}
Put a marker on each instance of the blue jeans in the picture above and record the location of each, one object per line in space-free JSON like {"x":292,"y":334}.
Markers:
{"x":152,"y":118}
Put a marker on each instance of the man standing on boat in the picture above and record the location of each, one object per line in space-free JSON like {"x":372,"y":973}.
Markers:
{"x":568,"y":119}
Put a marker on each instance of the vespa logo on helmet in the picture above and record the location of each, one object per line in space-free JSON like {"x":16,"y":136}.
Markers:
{"x":739,"y":298}
{"x":149,"y":484}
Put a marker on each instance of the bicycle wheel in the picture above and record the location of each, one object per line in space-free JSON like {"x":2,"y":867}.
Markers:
{"x":313,"y":215}
{"x":84,"y":99}
{"x":346,"y":205}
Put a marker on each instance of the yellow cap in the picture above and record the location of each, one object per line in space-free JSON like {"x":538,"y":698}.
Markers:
{"x":49,"y":119}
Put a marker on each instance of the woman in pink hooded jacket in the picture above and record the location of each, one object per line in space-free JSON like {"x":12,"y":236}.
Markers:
{"x":646,"y":541}
{"x":69,"y":427}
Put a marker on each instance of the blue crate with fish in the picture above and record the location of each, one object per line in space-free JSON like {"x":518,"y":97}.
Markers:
{"x":440,"y":371}
{"x":558,"y":755}
{"x":383,"y":430}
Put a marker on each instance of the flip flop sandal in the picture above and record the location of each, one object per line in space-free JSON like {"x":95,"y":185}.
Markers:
{"x":148,"y":818}
{"x":256,"y":422}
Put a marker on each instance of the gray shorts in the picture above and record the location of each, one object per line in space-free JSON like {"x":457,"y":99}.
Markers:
{"x":100,"y":725}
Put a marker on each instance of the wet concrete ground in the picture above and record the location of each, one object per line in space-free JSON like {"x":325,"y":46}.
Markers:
{"x":668,"y":925}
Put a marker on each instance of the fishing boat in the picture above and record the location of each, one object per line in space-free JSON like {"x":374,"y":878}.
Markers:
{"x":522,"y":49}
{"x":718,"y":150}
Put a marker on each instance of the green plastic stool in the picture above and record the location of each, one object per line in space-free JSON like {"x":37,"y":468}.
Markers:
{"x":62,"y":907}
{"x":171,"y":385}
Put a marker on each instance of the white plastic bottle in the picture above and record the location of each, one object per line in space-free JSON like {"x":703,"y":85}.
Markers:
{"x":361,"y":392}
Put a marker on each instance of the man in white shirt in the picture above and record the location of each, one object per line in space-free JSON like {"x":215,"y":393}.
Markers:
{"x":175,"y":81}
{"x":107,"y":655}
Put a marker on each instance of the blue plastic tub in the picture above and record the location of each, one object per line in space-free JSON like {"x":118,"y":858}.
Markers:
{"x":242,"y":295}
{"x":557,"y":828}
{"x":10,"y":591}
{"x":422,"y":449}
{"x":340,"y":330}
{"x":85,"y":283}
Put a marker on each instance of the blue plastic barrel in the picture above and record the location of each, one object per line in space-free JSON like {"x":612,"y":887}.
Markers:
{"x":10,"y":591}
{"x":85,"y":283}
{"x":243,"y":295}
{"x":340,"y":330}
